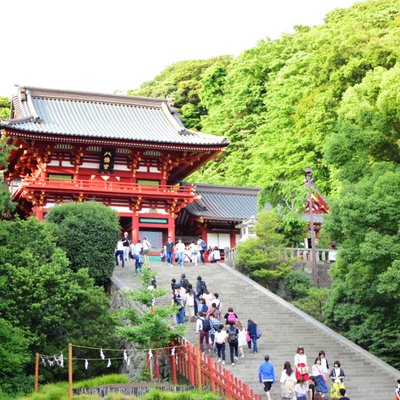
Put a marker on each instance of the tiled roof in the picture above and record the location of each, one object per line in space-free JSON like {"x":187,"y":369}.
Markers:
{"x":92,"y":115}
{"x":225,"y":203}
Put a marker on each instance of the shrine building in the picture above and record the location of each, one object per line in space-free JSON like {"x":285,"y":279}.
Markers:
{"x":129,"y":153}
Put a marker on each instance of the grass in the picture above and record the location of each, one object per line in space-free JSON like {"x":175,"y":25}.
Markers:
{"x":59,"y":391}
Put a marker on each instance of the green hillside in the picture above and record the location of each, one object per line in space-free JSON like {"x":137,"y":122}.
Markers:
{"x":282,"y":103}
{"x":329,"y":97}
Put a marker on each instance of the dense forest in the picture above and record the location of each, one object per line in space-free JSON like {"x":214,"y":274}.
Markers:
{"x":329,"y":97}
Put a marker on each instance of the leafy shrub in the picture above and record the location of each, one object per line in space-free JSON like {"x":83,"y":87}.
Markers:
{"x":88,"y":234}
{"x":314,"y":302}
{"x":297,"y":284}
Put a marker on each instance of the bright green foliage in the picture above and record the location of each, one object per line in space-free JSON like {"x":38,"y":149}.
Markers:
{"x":14,"y":358}
{"x":146,"y":294}
{"x":260,"y":256}
{"x":7,"y":206}
{"x":5,"y":104}
{"x":88,"y":234}
{"x":365,"y":301}
{"x":41,"y":295}
{"x":297,"y":284}
{"x":313,"y":302}
{"x":150,"y":329}
{"x":182,"y":83}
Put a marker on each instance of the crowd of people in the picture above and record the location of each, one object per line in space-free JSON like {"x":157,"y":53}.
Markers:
{"x":194,"y":253}
{"x":298,"y":383}
{"x":127,"y":250}
{"x":216,"y":330}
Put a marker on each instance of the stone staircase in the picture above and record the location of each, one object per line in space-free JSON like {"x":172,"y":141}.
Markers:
{"x":284,"y":328}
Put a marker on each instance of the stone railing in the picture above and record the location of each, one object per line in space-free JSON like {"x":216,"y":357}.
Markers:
{"x":300,"y":255}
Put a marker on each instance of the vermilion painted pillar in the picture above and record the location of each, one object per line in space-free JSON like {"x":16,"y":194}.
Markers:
{"x":171,"y":226}
{"x":232,"y":238}
{"x":135,"y":228}
{"x":38,"y":212}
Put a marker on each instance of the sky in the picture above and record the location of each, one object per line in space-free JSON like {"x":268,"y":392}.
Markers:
{"x":115,"y":45}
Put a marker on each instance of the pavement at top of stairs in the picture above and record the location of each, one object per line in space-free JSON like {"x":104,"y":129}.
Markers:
{"x":284,"y":329}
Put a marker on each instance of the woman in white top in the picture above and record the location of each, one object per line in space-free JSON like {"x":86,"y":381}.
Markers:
{"x":189,"y":304}
{"x":300,"y":389}
{"x":215,"y":255}
{"x":324,"y":363}
{"x":300,"y":363}
{"x":318,"y":374}
{"x":288,"y":381}
{"x":194,"y":252}
{"x":242,"y":342}
{"x":337,"y":376}
{"x":208,"y":297}
{"x":220,"y":339}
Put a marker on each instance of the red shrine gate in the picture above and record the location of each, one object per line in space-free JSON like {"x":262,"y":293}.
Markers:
{"x":129,"y":153}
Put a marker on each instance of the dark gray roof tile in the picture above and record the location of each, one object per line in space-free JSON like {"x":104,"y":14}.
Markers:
{"x":92,"y":115}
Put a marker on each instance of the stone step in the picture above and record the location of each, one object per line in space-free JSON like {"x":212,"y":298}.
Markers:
{"x":283,"y":327}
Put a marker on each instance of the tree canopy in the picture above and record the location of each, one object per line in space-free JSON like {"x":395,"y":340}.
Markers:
{"x":39,"y":293}
{"x":328,"y":97}
{"x":88,"y":233}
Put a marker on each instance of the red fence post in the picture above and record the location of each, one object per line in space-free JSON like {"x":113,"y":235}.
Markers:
{"x":157,"y":365}
{"x":173,"y":365}
{"x":228,"y":383}
{"x":211,"y":366}
{"x":198,"y":366}
{"x":191,"y":360}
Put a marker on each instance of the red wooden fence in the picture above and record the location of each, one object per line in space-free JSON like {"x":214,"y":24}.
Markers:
{"x":201,"y":371}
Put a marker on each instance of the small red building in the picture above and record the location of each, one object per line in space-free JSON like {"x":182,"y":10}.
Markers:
{"x":130,"y":153}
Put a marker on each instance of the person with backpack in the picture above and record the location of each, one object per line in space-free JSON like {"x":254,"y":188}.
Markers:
{"x":254,"y":333}
{"x":230,"y":317}
{"x":266,"y":375}
{"x":201,"y":286}
{"x":220,"y":339}
{"x":184,"y":282}
{"x":203,"y":247}
{"x":203,"y":328}
{"x":288,"y":380}
{"x":232,"y":334}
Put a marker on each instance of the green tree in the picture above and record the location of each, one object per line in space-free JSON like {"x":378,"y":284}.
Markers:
{"x":14,"y":359}
{"x":7,"y":206}
{"x":5,"y":106}
{"x":181,"y":82}
{"x":88,"y":233}
{"x":151,"y":329}
{"x":365,"y":301}
{"x":41,"y":295}
{"x":260,"y":257}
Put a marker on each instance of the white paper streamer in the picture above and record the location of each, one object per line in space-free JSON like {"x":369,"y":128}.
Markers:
{"x":125,"y":356}
{"x":109,"y":363}
{"x":173,"y":351}
{"x":43,"y":361}
{"x":102,"y":354}
{"x":150,"y":354}
{"x":128,"y":361}
{"x":86,"y":364}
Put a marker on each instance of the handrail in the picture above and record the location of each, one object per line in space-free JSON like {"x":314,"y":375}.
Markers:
{"x":91,"y":184}
{"x":212,"y":375}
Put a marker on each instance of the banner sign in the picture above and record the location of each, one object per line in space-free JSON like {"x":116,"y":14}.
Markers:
{"x":107,"y":160}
